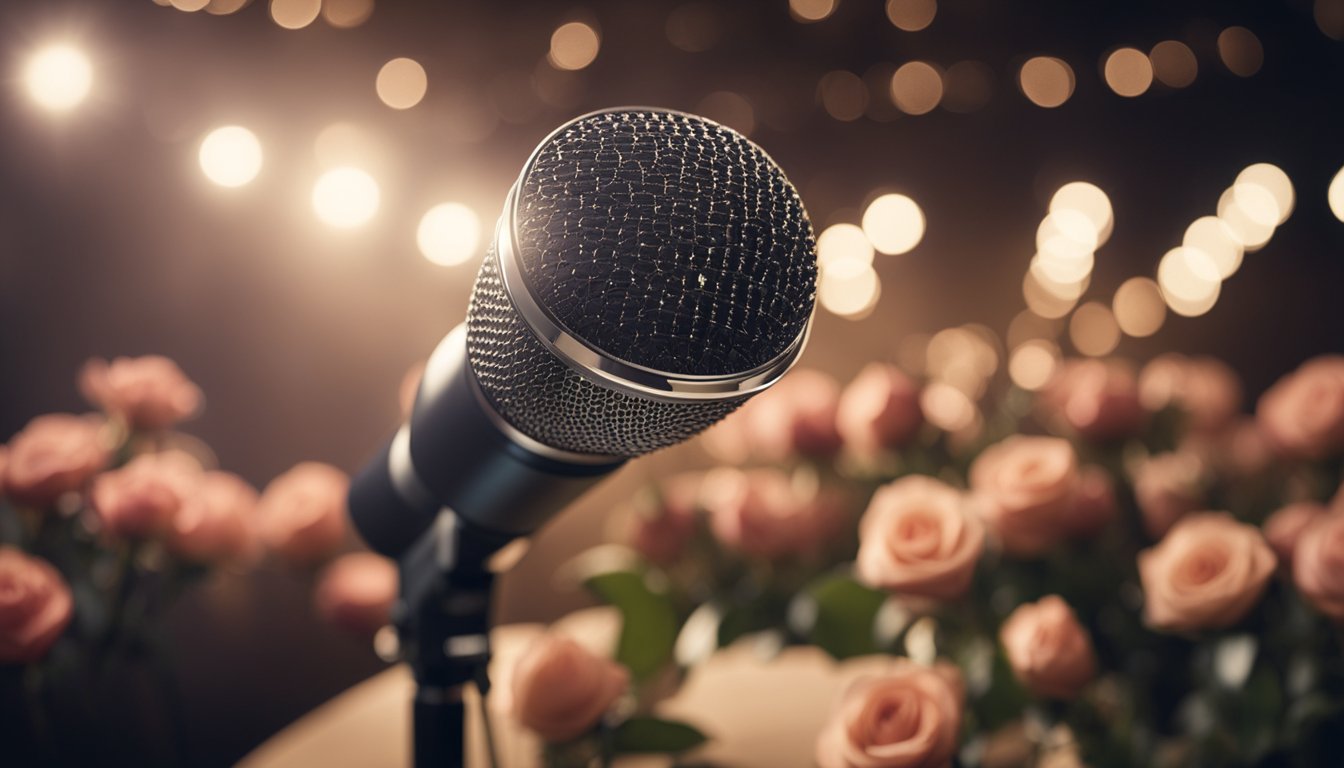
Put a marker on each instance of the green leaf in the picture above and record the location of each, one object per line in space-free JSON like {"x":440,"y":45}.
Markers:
{"x":841,"y":613}
{"x":649,"y":734}
{"x":648,"y":620}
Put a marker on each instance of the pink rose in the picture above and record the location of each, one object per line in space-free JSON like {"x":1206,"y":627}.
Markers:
{"x":410,"y":387}
{"x":1318,"y":565}
{"x":909,"y":717}
{"x":1050,"y":652}
{"x":35,"y":607}
{"x":879,"y":410}
{"x":1303,"y":414}
{"x":1167,"y":487}
{"x":759,"y":513}
{"x":1098,"y":399}
{"x":795,"y":417}
{"x":141,"y":499}
{"x":918,"y":538}
{"x":301,"y":515}
{"x":1026,"y":488}
{"x":1206,"y":573}
{"x":1205,"y":388}
{"x":561,"y":691}
{"x":663,"y":521}
{"x":214,"y":523}
{"x":1094,"y":506}
{"x":53,"y":455}
{"x":1286,"y":526}
{"x":356,"y":592}
{"x":149,"y":392}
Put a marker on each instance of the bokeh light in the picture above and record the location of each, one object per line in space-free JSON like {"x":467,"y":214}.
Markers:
{"x":190,"y":6}
{"x":917,"y":87}
{"x":947,"y":407}
{"x":1174,"y":64}
{"x":843,"y":95}
{"x":401,"y":83}
{"x":1089,"y":200}
{"x":1138,"y":307}
{"x":59,"y":77}
{"x":449,"y":234}
{"x":911,"y":15}
{"x":1329,"y":16}
{"x":1027,"y":325}
{"x":1215,"y":238}
{"x":843,"y":244}
{"x":1335,"y":196}
{"x":1093,"y":329}
{"x":574,"y":45}
{"x":731,"y":109}
{"x":230,"y":156}
{"x":1240,"y":51}
{"x":1032,"y":364}
{"x":345,"y":197}
{"x":1128,"y":72}
{"x":225,"y":7}
{"x":849,"y":292}
{"x":811,"y":10}
{"x":1253,"y":231}
{"x":1049,"y":300}
{"x":346,"y":14}
{"x":295,"y":14}
{"x":894,"y":224}
{"x":1062,"y":262}
{"x":1273,"y":180}
{"x":1189,"y":281}
{"x":1069,"y":224}
{"x":1047,"y":81}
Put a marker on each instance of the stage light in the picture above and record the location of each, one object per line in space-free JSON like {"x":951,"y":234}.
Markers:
{"x":916,"y":88}
{"x":345,"y":197}
{"x":1273,"y":180}
{"x":401,"y":83}
{"x":574,"y":45}
{"x":1093,"y":329}
{"x":1033,"y":364}
{"x":894,"y":224}
{"x":849,"y":293}
{"x":1214,"y":237}
{"x":230,"y":156}
{"x":843,"y":243}
{"x":1241,"y":51}
{"x":1335,"y":196}
{"x":811,"y":10}
{"x":346,"y":14}
{"x":1047,"y":81}
{"x":449,"y":234}
{"x":911,"y":15}
{"x":1128,"y":72}
{"x":59,"y":77}
{"x":1138,"y":307}
{"x":1174,"y":64}
{"x":295,"y":14}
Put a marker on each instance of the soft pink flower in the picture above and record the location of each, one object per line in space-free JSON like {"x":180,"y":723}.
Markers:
{"x":909,"y":717}
{"x":53,"y":455}
{"x":1285,"y":527}
{"x":879,"y":410}
{"x":142,"y":499}
{"x":1318,"y":564}
{"x":795,"y":417}
{"x":214,"y":522}
{"x":663,"y":521}
{"x":561,"y":691}
{"x":1098,"y":399}
{"x":1026,"y":488}
{"x":1205,"y":388}
{"x":1050,"y":652}
{"x":918,"y":538}
{"x":356,"y":592}
{"x":301,"y":515}
{"x":1303,"y":414}
{"x":149,"y":392}
{"x":1207,"y":573}
{"x":35,"y":606}
{"x":759,"y":513}
{"x":1167,"y":487}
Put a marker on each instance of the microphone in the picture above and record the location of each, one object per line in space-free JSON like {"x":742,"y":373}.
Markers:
{"x":650,"y":272}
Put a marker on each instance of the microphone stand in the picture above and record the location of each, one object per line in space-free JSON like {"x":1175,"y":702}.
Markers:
{"x":444,"y":627}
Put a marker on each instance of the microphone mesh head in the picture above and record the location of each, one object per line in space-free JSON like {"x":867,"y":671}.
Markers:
{"x":662,"y":240}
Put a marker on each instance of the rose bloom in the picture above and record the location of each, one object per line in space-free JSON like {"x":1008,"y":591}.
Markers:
{"x":1167,"y":487}
{"x":917,"y":537}
{"x":1205,"y":388}
{"x":301,"y":515}
{"x":51,"y":456}
{"x":759,"y":513}
{"x":214,"y":523}
{"x":1303,"y":414}
{"x":1050,"y":652}
{"x":1286,"y":526}
{"x":561,"y":690}
{"x":356,"y":592}
{"x":149,"y":392}
{"x":1098,"y":399}
{"x":1025,"y":488}
{"x":35,"y":607}
{"x":909,"y":717}
{"x":1318,"y":565}
{"x":879,"y":410}
{"x":795,"y":417}
{"x":142,"y":499}
{"x":663,"y":521}
{"x":1207,"y":573}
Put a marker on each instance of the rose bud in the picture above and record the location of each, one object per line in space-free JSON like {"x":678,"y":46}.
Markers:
{"x":561,"y":690}
{"x":879,"y":411}
{"x":35,"y":606}
{"x":53,"y":455}
{"x":663,"y":521}
{"x":1318,"y":565}
{"x":1303,"y":414}
{"x":1026,"y":487}
{"x":1204,"y":388}
{"x":356,"y":592}
{"x":1285,"y":527}
{"x":917,"y":537}
{"x":1097,"y":399}
{"x":909,"y":717}
{"x":149,"y":392}
{"x":759,"y":513}
{"x":1049,"y":651}
{"x":1167,"y":487}
{"x":796,"y":417}
{"x":214,"y":523}
{"x":410,"y":387}
{"x":141,"y":499}
{"x":1207,"y":573}
{"x":301,"y":515}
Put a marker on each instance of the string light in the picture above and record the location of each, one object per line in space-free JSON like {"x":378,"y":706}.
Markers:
{"x":894,"y":224}
{"x":1138,"y":307}
{"x":1128,"y":72}
{"x":401,"y":83}
{"x":345,"y":197}
{"x":59,"y":77}
{"x":574,"y":45}
{"x":295,"y":14}
{"x":448,"y":234}
{"x":1047,"y":81}
{"x":230,"y":156}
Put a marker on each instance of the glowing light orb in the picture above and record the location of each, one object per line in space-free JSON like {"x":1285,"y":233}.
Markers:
{"x":1336,"y":195}
{"x":843,"y":243}
{"x":911,"y":15}
{"x":1273,"y":180}
{"x":401,"y":83}
{"x":345,"y":197}
{"x":1047,"y":81}
{"x":230,"y":156}
{"x":574,"y":45}
{"x":1093,"y":329}
{"x":1174,"y":64}
{"x":59,"y":77}
{"x":1214,"y":237}
{"x":1138,"y":307}
{"x":1089,"y":200}
{"x":917,"y":87}
{"x":1033,"y":364}
{"x":894,"y":224}
{"x":811,"y":10}
{"x":295,"y":14}
{"x":448,"y":234}
{"x":1128,"y":72}
{"x":849,"y":293}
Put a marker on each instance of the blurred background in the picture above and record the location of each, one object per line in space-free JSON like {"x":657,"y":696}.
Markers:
{"x":291,"y":199}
